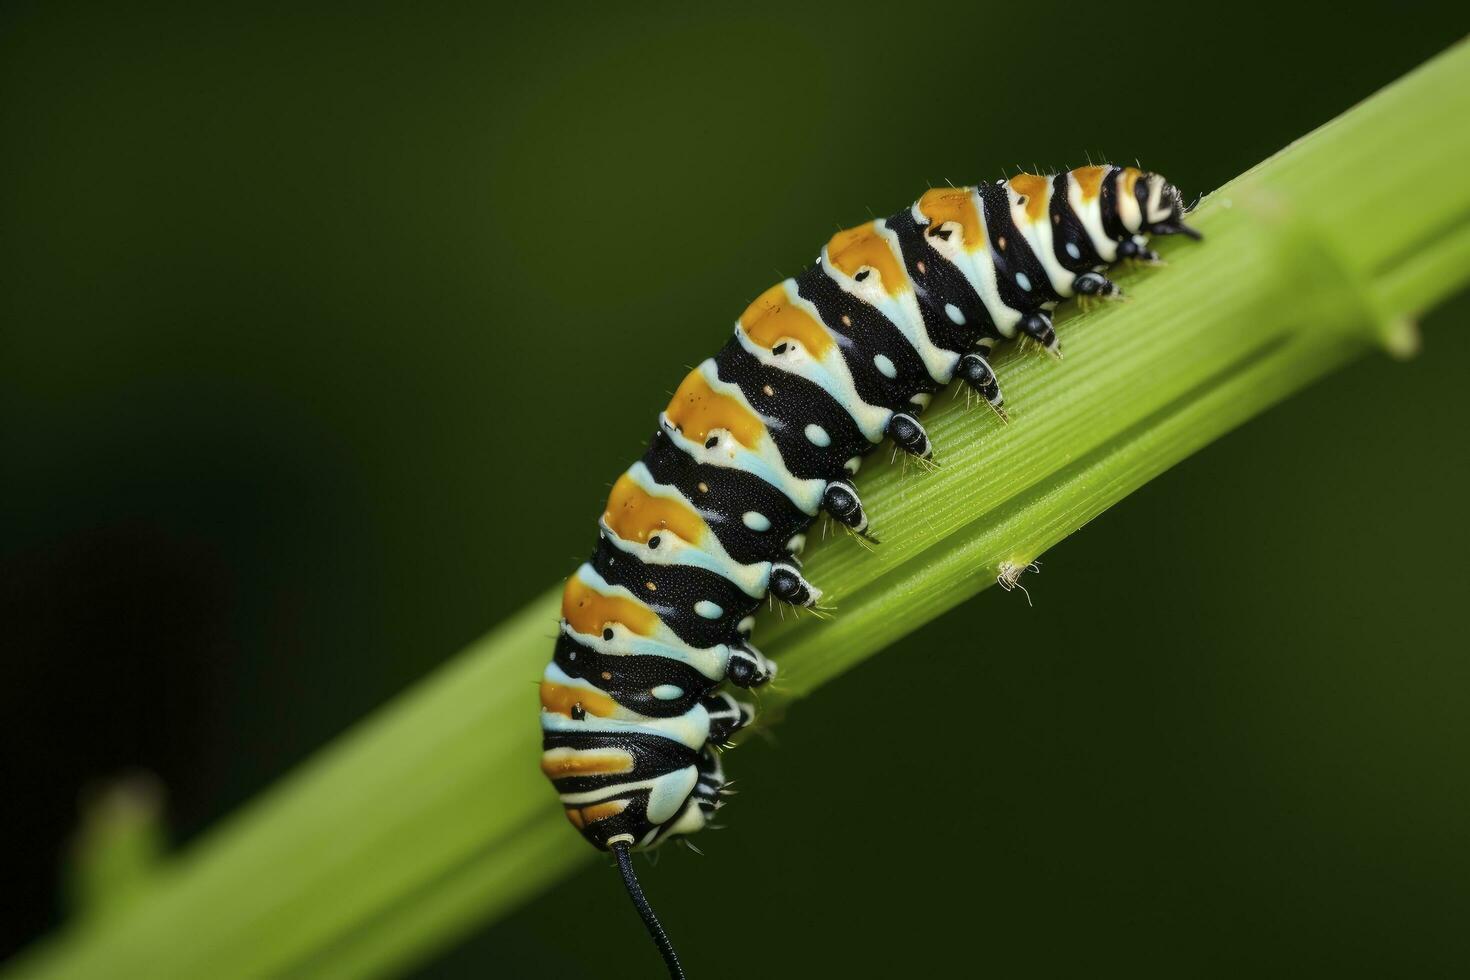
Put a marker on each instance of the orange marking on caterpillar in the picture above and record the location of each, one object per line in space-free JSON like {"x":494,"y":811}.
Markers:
{"x":557,"y":763}
{"x":773,"y":317}
{"x":1033,"y":188}
{"x":634,"y":514}
{"x":945,"y":204}
{"x":561,"y":699}
{"x":1089,"y":180}
{"x":854,"y":248}
{"x":697,"y":409}
{"x":1127,"y":180}
{"x":587,"y":611}
{"x":602,"y":811}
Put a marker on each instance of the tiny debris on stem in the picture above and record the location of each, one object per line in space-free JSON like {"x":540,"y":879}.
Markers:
{"x":1008,"y":576}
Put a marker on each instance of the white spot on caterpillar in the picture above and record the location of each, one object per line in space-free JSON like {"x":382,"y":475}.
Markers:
{"x":817,"y":435}
{"x":708,"y":610}
{"x":921,"y":399}
{"x":954,"y":314}
{"x":852,"y":464}
{"x":1024,"y":281}
{"x":745,"y":625}
{"x":1073,"y":250}
{"x":756,"y":521}
{"x":885,"y":366}
{"x":797,"y":544}
{"x":668,"y":692}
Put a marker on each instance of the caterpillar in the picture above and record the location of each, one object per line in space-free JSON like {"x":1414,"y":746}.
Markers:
{"x":760,"y":439}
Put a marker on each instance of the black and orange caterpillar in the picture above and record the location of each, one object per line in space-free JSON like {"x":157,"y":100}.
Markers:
{"x":761,"y":437}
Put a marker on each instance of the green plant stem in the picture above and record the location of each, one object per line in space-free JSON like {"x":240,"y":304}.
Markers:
{"x":431,"y":816}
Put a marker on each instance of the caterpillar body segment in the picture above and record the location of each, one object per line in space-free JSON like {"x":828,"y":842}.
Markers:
{"x":766,"y":434}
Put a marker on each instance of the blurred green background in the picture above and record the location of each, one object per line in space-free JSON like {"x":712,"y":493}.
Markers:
{"x":323,"y":333}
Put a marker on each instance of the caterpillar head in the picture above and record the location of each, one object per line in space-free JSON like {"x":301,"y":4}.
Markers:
{"x":1163,"y":208}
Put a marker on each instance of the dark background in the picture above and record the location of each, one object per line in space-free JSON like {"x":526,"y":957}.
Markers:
{"x":323,"y":333}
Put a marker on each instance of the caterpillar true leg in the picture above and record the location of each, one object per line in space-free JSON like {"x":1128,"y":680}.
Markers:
{"x":975,"y":371}
{"x":748,"y":667}
{"x":1175,"y":227}
{"x":907,"y":434}
{"x":726,"y":716}
{"x":1095,"y":284}
{"x":841,"y":501}
{"x":1137,"y":248}
{"x":1039,"y":328}
{"x":788,"y":585}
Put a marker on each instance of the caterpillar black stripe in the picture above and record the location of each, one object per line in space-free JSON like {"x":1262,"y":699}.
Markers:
{"x":769,"y":432}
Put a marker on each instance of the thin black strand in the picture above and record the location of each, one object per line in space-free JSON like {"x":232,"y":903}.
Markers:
{"x":650,"y":921}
